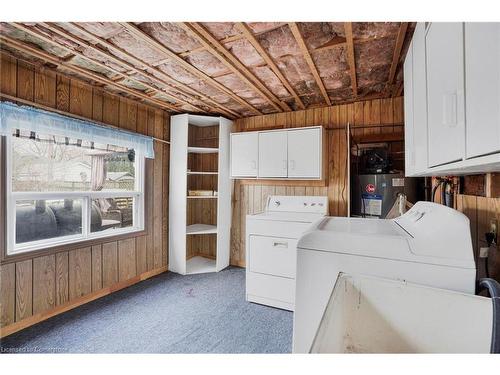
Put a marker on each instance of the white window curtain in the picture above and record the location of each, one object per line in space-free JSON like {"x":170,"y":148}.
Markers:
{"x":14,"y":117}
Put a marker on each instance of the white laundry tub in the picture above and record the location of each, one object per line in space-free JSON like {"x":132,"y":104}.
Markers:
{"x":375,"y":315}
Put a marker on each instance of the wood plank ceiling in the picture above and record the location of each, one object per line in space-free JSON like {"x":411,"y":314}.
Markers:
{"x":232,"y":69}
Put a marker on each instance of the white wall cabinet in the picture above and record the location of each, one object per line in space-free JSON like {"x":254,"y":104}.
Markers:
{"x":452,"y":99}
{"x":445,"y":92}
{"x":244,"y":154}
{"x":482,"y":72}
{"x":419,"y":109}
{"x":292,"y":154}
{"x":408,"y":106}
{"x":304,"y":160}
{"x":273,"y":160}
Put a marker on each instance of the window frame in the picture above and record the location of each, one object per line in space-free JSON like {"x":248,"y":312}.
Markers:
{"x":138,"y":218}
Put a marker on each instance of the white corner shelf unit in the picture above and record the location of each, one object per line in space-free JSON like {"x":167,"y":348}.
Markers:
{"x":199,"y":230}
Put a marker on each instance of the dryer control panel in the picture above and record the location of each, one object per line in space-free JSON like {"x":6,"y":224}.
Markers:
{"x":306,"y":204}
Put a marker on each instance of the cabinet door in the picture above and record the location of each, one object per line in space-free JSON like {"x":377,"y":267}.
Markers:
{"x":482,"y":74}
{"x":273,"y":154}
{"x":419,"y":109}
{"x":244,"y":154}
{"x":408,"y":98}
{"x":445,"y":92}
{"x":304,"y":153}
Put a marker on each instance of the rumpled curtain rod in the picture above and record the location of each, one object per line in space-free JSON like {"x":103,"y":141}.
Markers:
{"x":79,"y":142}
{"x":15,"y":99}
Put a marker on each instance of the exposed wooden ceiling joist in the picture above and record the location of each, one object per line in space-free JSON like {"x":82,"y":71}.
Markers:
{"x":46,"y":57}
{"x":350,"y":57}
{"x":228,"y":39}
{"x":305,"y":51}
{"x":397,"y":54}
{"x":120,"y":76}
{"x":141,"y":35}
{"x":228,"y":59}
{"x":165,"y":79}
{"x":235,"y":86}
{"x":334,"y":43}
{"x":270,"y":62}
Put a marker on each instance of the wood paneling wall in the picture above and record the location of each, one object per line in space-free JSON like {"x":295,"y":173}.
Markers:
{"x":41,"y":284}
{"x":380,"y":116}
{"x":480,"y":211}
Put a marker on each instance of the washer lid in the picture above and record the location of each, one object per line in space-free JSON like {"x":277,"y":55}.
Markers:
{"x":377,"y":238}
{"x":361,"y":226}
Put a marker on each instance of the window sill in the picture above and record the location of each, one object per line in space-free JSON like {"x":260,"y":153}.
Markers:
{"x":70,"y":246}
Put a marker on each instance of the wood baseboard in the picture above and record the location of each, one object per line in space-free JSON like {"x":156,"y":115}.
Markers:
{"x":37,"y":318}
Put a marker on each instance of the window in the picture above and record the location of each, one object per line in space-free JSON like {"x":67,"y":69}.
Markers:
{"x":62,"y":190}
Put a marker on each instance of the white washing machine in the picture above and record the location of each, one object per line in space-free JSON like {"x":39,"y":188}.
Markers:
{"x":429,"y":245}
{"x":271,"y":247}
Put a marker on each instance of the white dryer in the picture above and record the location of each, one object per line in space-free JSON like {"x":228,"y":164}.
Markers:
{"x":271,"y":247}
{"x":429,"y":245}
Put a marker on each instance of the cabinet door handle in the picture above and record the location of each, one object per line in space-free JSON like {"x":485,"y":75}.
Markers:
{"x":254,"y":164}
{"x":280,"y":244}
{"x":284,"y":164}
{"x":450,"y":109}
{"x":292,"y":164}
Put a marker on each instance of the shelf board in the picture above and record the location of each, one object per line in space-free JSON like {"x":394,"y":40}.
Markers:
{"x":200,"y":264}
{"x":202,"y":196}
{"x":203,"y":173}
{"x":383,"y":137}
{"x":201,"y":229}
{"x":203,"y":150}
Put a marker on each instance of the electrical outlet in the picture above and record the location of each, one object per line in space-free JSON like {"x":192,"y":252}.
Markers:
{"x":483,"y":252}
{"x":494,"y":228}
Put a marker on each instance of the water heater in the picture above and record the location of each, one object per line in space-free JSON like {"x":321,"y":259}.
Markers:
{"x":373,"y":195}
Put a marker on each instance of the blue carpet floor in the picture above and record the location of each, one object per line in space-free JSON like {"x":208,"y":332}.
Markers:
{"x":205,"y":313}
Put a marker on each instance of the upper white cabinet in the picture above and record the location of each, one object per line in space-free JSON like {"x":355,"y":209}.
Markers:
{"x":278,"y":154}
{"x":409,"y":125}
{"x":452,"y":99}
{"x":304,"y":160}
{"x":419,"y":86}
{"x":445,"y":92}
{"x":244,"y":154}
{"x":482,"y":72}
{"x":273,"y":159}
